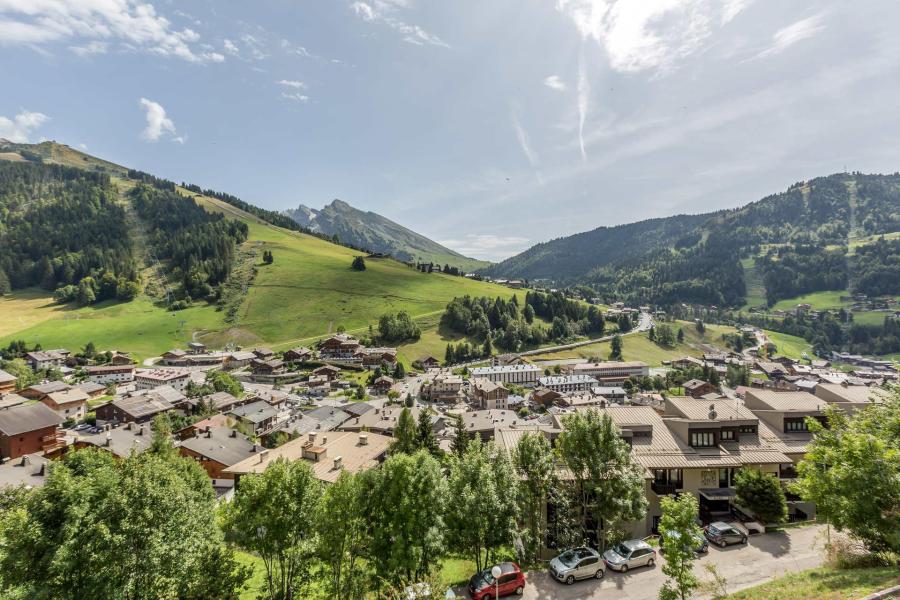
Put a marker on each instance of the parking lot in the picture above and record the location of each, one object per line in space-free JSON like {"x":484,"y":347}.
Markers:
{"x":764,"y":557}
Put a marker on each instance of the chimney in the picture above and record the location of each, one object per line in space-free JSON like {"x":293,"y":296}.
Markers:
{"x":338,"y":462}
{"x":253,"y":449}
{"x":141,"y":430}
{"x":312,"y":437}
{"x":363,"y":439}
{"x":263,"y":456}
{"x":234,"y":433}
{"x":128,"y":427}
{"x":324,"y":439}
{"x":108,"y":439}
{"x":208,"y":433}
{"x":26,"y":460}
{"x":43,"y":469}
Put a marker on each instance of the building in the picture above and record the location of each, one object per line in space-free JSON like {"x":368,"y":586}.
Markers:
{"x":120,"y":358}
{"x":93,"y":390}
{"x":273,"y":366}
{"x":239,"y":359}
{"x":217,"y":448}
{"x":28,"y":429}
{"x":28,"y":470}
{"x":545,"y":397}
{"x":339,"y":347}
{"x":384,"y":420}
{"x":321,"y":420}
{"x":140,"y":407}
{"x":430,"y":362}
{"x":330,"y":372}
{"x":110,"y":373}
{"x":488,"y":394}
{"x":7,"y":382}
{"x":848,"y":397}
{"x":445,"y":387}
{"x":147,"y":379}
{"x":565,"y":384}
{"x":218,"y":402}
{"x":696,"y":388}
{"x":121,"y":440}
{"x":383,"y":384}
{"x":298,"y":355}
{"x":43,"y":359}
{"x":374,"y":357}
{"x":70,"y":405}
{"x":38,"y":391}
{"x":259,"y":416}
{"x":612,"y":372}
{"x":611,"y":393}
{"x":483,"y":422}
{"x":11,"y":399}
{"x":518,"y":374}
{"x":328,"y":454}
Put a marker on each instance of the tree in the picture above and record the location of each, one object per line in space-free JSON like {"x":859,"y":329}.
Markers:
{"x":342,"y":535}
{"x":701,"y":328}
{"x":651,"y":334}
{"x":221,"y":381}
{"x":461,"y":438}
{"x":268,"y":258}
{"x":426,"y":438}
{"x":528,"y":313}
{"x":482,"y":516}
{"x":406,"y":434}
{"x":273,"y":514}
{"x":535,"y":464}
{"x":448,"y":355}
{"x":678,"y":528}
{"x":610,"y":483}
{"x":680,"y":335}
{"x":851,"y":471}
{"x":162,"y":443}
{"x":405,"y":508}
{"x":615,"y":348}
{"x":488,"y":348}
{"x":140,"y":528}
{"x":359,"y":263}
{"x":762,"y":494}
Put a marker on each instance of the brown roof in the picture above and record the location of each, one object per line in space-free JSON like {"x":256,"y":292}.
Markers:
{"x":784,"y":401}
{"x":6,"y":377}
{"x":851,"y":393}
{"x":699,"y":410}
{"x":74,"y":395}
{"x":27,"y":417}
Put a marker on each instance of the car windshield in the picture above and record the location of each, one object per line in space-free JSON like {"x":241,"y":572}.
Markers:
{"x":568,"y":558}
{"x":488,"y":578}
{"x":621,"y":550}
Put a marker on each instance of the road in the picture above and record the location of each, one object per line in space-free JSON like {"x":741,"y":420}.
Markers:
{"x":763,"y":558}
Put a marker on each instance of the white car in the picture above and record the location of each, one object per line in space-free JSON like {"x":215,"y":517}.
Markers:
{"x":630,"y":554}
{"x":578,"y":563}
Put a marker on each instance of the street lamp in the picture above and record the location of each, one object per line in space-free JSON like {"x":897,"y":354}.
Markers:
{"x":496,"y":572}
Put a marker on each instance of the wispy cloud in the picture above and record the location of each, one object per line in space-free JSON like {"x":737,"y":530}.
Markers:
{"x":525,"y":143}
{"x":554,"y":82}
{"x":95,"y":47}
{"x":133,"y":23}
{"x":793,"y":33}
{"x":383,"y":11}
{"x":733,"y":8}
{"x":158,"y":123}
{"x":292,"y":83}
{"x":584,"y":96}
{"x":488,"y":247}
{"x":19,"y":128}
{"x":295,"y":96}
{"x":231,"y":48}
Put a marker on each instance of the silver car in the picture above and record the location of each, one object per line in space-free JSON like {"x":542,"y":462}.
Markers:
{"x":629,"y":554}
{"x":578,"y":563}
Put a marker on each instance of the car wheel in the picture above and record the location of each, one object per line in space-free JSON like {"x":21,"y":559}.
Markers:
{"x":599,"y":574}
{"x":520,"y":590}
{"x":722,"y":543}
{"x":570,"y":580}
{"x":651,"y":562}
{"x":625,"y":568}
{"x":744,"y":540}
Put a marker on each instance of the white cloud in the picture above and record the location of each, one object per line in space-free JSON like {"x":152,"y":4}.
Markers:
{"x":488,"y":247}
{"x":158,"y":124}
{"x":95,"y":47}
{"x":19,"y":128}
{"x":584,"y":96}
{"x":555,"y":83}
{"x":790,"y":35}
{"x":292,"y":83}
{"x":132,"y":22}
{"x":525,"y":143}
{"x":231,"y":48}
{"x":296,"y":96}
{"x":647,"y":34}
{"x":382,"y":11}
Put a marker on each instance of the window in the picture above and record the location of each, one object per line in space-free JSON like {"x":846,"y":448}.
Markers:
{"x":748,"y":429}
{"x":703,"y":439}
{"x":726,"y":477}
{"x":727,"y":435}
{"x":795,"y":424}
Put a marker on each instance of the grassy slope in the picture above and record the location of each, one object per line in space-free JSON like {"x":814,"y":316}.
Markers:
{"x":639,"y":347}
{"x":823,"y":584}
{"x":756,"y":291}
{"x":789,"y":345}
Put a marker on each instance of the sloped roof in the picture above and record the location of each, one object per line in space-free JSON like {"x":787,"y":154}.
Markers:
{"x":221,"y":444}
{"x":27,"y":417}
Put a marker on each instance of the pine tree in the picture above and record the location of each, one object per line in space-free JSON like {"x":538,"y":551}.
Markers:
{"x":448,"y":355}
{"x":488,"y":348}
{"x":461,"y":438}
{"x":427,"y":440}
{"x":405,"y":435}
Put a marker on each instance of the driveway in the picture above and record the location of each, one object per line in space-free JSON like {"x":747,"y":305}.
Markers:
{"x":765,"y":556}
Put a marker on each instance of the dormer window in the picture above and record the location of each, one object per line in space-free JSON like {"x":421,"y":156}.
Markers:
{"x":748,"y":429}
{"x":727,"y":435}
{"x":795,"y":424}
{"x":703,"y":439}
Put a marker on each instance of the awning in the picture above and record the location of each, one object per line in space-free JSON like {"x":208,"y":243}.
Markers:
{"x":717,"y":493}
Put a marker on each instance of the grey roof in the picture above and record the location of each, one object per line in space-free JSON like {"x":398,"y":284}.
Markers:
{"x":328,"y":417}
{"x":142,"y":405}
{"x":50,"y":387}
{"x":6,"y":377}
{"x":255,"y":412}
{"x":219,"y":401}
{"x":28,"y":470}
{"x":27,"y":417}
{"x":222,"y":444}
{"x":89,"y":387}
{"x":357,"y":408}
{"x":121,"y":441}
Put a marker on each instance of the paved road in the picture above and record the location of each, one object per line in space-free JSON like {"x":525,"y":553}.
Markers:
{"x":765,"y":556}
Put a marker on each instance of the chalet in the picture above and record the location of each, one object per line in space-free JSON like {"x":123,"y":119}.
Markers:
{"x":93,"y":390}
{"x":217,"y":448}
{"x":373,"y":357}
{"x":43,"y":359}
{"x":545,"y":397}
{"x":430,"y":362}
{"x":218,"y":402}
{"x":120,"y":358}
{"x":696,"y":388}
{"x":445,"y":387}
{"x":238,"y":360}
{"x":327,"y":454}
{"x":147,"y":379}
{"x":196,"y":348}
{"x":339,"y":347}
{"x":298,"y":355}
{"x":7,"y":382}
{"x":120,"y":440}
{"x":273,"y":366}
{"x":568,"y":383}
{"x":488,"y":394}
{"x":258,"y":416}
{"x":383,"y":384}
{"x":384,"y":420}
{"x":40,"y":390}
{"x":171,"y":356}
{"x":321,"y":420}
{"x":69,"y":404}
{"x":217,"y":420}
{"x":140,"y":407}
{"x":330,"y":372}
{"x":317,"y":381}
{"x":610,"y":392}
{"x":612,"y":372}
{"x":110,"y":373}
{"x":483,"y":422}
{"x":27,"y":429}
{"x":263,"y":353}
{"x":526,"y":374}
{"x":11,"y":399}
{"x":848,"y":397}
{"x":772,"y":370}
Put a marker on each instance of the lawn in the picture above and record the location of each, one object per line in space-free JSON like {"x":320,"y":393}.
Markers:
{"x":756,"y":291}
{"x":639,"y":346}
{"x":817,"y":300}
{"x":823,"y":584}
{"x":789,"y":345}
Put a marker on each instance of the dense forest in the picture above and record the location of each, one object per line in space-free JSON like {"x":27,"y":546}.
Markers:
{"x":802,"y":268}
{"x":63,"y":228}
{"x":877,"y":268}
{"x":198,"y":246}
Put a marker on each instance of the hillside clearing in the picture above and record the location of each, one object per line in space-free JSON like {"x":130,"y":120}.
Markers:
{"x":789,"y":345}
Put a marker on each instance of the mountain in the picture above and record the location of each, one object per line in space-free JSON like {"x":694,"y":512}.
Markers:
{"x":366,"y":229}
{"x":805,"y":239}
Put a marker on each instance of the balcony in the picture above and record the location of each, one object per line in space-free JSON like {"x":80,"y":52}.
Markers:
{"x":787,"y":473}
{"x":665,"y":489}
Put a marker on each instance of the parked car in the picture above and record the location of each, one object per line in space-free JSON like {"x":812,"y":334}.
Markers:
{"x":698,"y":543}
{"x":511,"y":581}
{"x":578,"y":563}
{"x":629,"y":554}
{"x":724,"y":534}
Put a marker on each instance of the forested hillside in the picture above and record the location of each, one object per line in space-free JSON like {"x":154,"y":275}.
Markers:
{"x":61,"y":227}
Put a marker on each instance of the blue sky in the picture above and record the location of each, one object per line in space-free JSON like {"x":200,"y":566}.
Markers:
{"x":488,"y":126}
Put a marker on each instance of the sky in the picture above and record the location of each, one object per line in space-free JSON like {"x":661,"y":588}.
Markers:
{"x":486,"y":126}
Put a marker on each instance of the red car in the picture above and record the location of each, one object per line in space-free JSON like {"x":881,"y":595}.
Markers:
{"x":511,"y":581}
